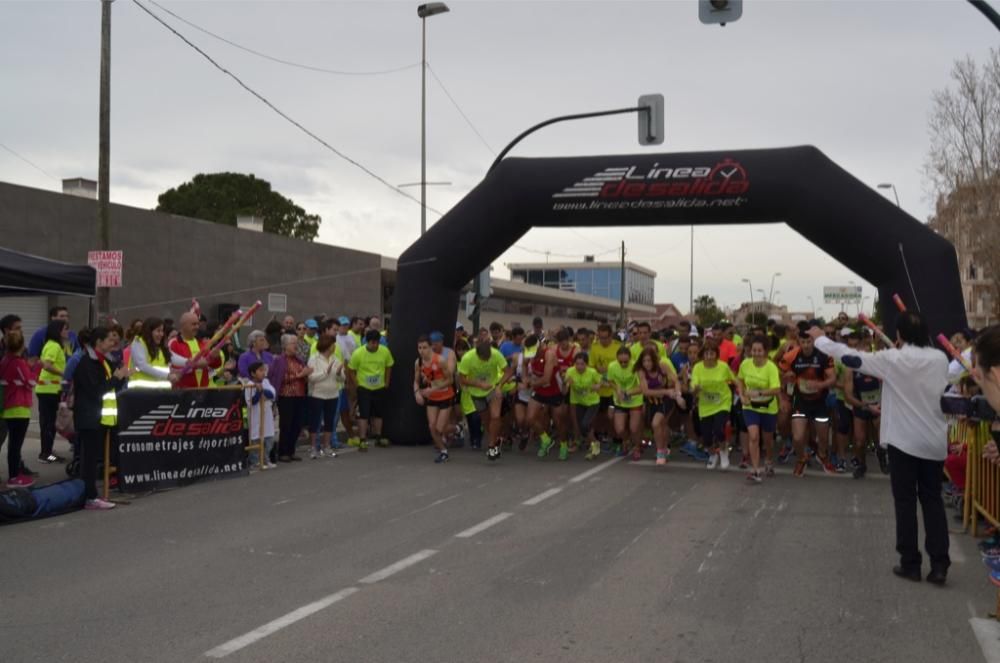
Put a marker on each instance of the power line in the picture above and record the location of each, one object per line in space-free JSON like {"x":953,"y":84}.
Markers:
{"x":284,"y":115}
{"x":338,"y":72}
{"x":459,"y":109}
{"x":562,"y":255}
{"x":29,"y":162}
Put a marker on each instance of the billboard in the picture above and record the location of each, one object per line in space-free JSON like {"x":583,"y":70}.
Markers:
{"x":842,"y":294}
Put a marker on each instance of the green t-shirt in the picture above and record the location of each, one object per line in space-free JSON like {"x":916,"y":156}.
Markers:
{"x":49,"y":383}
{"x":760,"y":378}
{"x":600,"y":358}
{"x":370,"y":366}
{"x":625,"y":379}
{"x":474,"y":368}
{"x":583,"y":386}
{"x":715,"y":395}
{"x":465,"y":400}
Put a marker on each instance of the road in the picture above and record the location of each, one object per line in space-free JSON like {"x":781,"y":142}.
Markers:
{"x":386,"y":556}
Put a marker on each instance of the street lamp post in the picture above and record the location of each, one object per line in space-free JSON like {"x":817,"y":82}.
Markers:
{"x":750,"y":285}
{"x":770,"y":297}
{"x":423,"y":11}
{"x":812,"y":305}
{"x":890,"y":185}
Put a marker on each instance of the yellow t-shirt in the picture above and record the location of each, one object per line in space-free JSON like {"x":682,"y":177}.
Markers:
{"x":582,"y":386}
{"x":51,"y":383}
{"x":600,"y":358}
{"x":760,"y":378}
{"x":715,"y":395}
{"x":625,"y":379}
{"x":370,"y":366}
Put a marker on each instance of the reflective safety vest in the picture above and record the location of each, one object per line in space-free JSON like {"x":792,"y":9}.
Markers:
{"x":144,"y":380}
{"x":109,"y":403}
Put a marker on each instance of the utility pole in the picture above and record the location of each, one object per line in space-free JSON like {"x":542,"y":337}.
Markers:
{"x":104,"y":148}
{"x":691,"y":303}
{"x":621,"y":312}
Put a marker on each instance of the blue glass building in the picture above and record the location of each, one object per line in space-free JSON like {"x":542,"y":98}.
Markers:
{"x":599,"y":279}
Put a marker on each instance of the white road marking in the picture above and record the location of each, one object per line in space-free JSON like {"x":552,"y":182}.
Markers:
{"x":483,"y":526}
{"x":988,"y":634}
{"x":631,"y":543}
{"x":261,"y":632}
{"x":600,"y":468}
{"x":424,"y":508}
{"x":281,"y":502}
{"x":955,"y":552}
{"x":393,"y":569}
{"x":541,"y":497}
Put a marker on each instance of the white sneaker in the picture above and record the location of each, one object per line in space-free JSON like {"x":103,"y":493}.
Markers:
{"x":98,"y":504}
{"x":713,"y":460}
{"x":315,"y":454}
{"x":271,"y":466}
{"x":724,"y":460}
{"x":331,"y":453}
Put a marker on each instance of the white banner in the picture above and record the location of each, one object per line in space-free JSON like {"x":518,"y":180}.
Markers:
{"x":842,"y":294}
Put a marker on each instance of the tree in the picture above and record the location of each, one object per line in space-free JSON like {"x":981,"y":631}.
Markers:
{"x":707,"y":311}
{"x":963,"y":168}
{"x":221,"y":197}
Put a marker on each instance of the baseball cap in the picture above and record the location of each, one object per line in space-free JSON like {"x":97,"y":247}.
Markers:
{"x":311,"y":324}
{"x":459,"y":325}
{"x":344,"y":320}
{"x":846,"y":331}
{"x":436,"y":337}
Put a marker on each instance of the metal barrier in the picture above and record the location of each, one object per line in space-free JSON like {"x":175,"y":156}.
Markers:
{"x":982,"y":479}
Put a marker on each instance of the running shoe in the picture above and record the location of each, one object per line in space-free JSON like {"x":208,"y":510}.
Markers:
{"x":690,"y":447}
{"x":331,"y":453}
{"x":841,"y":467}
{"x":754,"y":477}
{"x":855,"y":462}
{"x":713,"y":460}
{"x":744,"y":465}
{"x":563,"y":451}
{"x":827,"y":466}
{"x":859,"y":472}
{"x":637,"y":454}
{"x":21,"y":481}
{"x":493,"y":453}
{"x":545,"y":447}
{"x":383,"y":442}
{"x":724,"y":460}
{"x":769,"y":471}
{"x":363,"y":446}
{"x":661,"y":458}
{"x":619,"y":451}
{"x":354,"y":441}
{"x":272,"y":466}
{"x":883,"y":459}
{"x":97,"y":504}
{"x":51,"y":458}
{"x":784,"y":454}
{"x":574,"y":446}
{"x":800,"y":468}
{"x":315,"y":454}
{"x":442,"y":457}
{"x":522,"y":443}
{"x":595,"y":451}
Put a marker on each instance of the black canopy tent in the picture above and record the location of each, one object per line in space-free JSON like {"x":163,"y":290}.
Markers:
{"x":23,"y":274}
{"x":799,"y":186}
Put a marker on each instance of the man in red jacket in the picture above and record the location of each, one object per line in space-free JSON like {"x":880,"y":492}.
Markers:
{"x":185,"y":347}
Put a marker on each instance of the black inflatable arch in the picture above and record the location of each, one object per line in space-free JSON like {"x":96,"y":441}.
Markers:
{"x":799,"y":186}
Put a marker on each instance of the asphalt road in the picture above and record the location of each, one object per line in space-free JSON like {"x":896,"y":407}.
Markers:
{"x":386,"y":556}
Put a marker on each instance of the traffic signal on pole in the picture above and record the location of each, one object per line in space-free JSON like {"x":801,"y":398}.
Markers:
{"x":651,"y":119}
{"x":719,"y":11}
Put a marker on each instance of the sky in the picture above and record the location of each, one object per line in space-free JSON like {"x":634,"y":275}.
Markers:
{"x":855,"y":79}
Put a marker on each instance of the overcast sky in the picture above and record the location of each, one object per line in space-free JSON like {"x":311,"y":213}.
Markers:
{"x":852,"y":78}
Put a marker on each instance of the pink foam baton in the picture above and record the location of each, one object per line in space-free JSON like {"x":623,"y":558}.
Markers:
{"x":236,"y":327}
{"x":196,"y":307}
{"x":204,"y":352}
{"x":878,"y":332}
{"x":955,"y":354}
{"x":899,"y":303}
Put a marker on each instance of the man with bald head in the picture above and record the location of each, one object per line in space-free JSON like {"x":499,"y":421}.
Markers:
{"x":183,"y":349}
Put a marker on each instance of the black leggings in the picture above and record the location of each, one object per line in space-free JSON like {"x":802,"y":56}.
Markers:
{"x":291,"y":418}
{"x":48,"y":408}
{"x":17,"y":429}
{"x":91,"y":444}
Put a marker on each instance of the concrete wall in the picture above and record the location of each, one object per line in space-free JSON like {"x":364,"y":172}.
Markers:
{"x":170,"y":259}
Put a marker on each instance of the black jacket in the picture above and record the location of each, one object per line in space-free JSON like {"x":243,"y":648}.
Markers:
{"x":90,"y":383}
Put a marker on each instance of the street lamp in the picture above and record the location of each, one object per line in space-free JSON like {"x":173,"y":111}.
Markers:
{"x":763,"y":298}
{"x":770,"y":297}
{"x":890,"y":185}
{"x":750,"y":285}
{"x":423,"y":11}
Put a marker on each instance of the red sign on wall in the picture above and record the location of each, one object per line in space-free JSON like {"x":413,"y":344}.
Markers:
{"x":109,"y":267}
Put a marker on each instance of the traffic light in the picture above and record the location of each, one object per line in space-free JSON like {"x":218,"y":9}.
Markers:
{"x":719,"y":11}
{"x":651,"y":120}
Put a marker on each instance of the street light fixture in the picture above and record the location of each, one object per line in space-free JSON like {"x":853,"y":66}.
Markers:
{"x":750,"y":285}
{"x":423,"y":11}
{"x":770,"y":297}
{"x":890,"y":185}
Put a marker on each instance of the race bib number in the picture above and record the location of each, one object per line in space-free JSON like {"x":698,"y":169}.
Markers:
{"x":373,"y":380}
{"x":871,"y":397}
{"x":711,"y":397}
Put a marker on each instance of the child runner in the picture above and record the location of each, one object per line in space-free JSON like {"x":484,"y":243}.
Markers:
{"x":660,"y":390}
{"x":583,"y":383}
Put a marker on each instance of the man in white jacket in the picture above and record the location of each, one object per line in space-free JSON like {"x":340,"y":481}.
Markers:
{"x":913,"y":428}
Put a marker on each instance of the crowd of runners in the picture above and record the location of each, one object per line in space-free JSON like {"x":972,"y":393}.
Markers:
{"x":769,"y":396}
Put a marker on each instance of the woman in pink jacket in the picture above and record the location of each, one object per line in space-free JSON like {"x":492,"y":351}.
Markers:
{"x":19,"y":384}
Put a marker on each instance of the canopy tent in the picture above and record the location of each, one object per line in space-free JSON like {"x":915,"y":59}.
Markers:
{"x":23,"y":274}
{"x":799,"y":186}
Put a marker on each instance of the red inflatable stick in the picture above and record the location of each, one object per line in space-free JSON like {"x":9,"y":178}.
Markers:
{"x":899,"y":303}
{"x":953,"y":351}
{"x":236,"y":327}
{"x":196,"y":308}
{"x":222,"y":331}
{"x":878,"y":332}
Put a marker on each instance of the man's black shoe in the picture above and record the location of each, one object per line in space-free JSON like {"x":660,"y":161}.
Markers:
{"x":883,"y":460}
{"x":937,"y":576}
{"x":908,"y":574}
{"x":859,"y":471}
